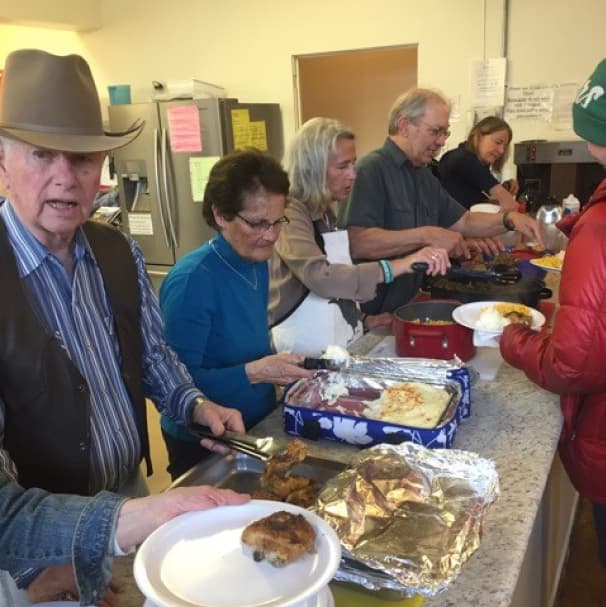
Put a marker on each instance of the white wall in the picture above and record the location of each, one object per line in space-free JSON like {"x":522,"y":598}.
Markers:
{"x":67,"y":14}
{"x":553,"y":42}
{"x":247,"y":45}
{"x":53,"y":40}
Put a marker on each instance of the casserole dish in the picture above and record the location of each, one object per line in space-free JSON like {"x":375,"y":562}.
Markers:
{"x":341,"y":407}
{"x":426,"y":329}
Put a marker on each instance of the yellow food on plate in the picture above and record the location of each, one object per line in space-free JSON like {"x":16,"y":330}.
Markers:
{"x":550,"y":261}
{"x":409,"y":404}
{"x":430,"y":321}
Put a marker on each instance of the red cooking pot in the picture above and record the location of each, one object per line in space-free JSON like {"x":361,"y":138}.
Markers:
{"x":416,"y":335}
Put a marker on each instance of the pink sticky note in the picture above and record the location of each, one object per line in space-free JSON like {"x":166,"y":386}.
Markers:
{"x":184,"y":129}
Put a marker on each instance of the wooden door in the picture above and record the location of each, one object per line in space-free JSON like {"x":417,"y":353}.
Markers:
{"x":357,"y":87}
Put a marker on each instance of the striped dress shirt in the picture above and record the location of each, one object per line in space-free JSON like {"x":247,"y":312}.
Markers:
{"x":78,"y":311}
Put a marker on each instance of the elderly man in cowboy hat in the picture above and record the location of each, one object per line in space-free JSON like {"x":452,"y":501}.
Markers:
{"x":80,"y":330}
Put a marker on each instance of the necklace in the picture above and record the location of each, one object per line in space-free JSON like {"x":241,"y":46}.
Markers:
{"x":244,"y":278}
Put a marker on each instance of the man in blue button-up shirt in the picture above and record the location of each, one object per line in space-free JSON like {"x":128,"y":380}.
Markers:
{"x":52,"y":147}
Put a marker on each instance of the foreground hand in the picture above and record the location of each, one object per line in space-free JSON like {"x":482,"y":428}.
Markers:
{"x":54,"y":584}
{"x":452,"y":241}
{"x":59,"y":584}
{"x":141,"y":516}
{"x":281,"y":369}
{"x":489,"y":246}
{"x":528,"y":226}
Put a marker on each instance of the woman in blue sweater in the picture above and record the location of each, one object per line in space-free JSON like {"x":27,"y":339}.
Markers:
{"x":214,"y":300}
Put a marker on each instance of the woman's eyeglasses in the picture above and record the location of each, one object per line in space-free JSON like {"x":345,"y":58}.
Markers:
{"x":264,"y":226}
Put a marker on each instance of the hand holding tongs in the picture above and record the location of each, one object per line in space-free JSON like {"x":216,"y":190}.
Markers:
{"x":260,"y":448}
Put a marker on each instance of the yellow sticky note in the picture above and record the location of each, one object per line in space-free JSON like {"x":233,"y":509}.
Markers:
{"x":258,"y":135}
{"x":240,"y":121}
{"x":199,"y":169}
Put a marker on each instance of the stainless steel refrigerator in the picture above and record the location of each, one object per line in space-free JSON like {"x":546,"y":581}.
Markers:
{"x":162,"y":174}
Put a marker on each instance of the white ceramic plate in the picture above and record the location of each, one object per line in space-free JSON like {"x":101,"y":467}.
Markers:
{"x":198,"y":560}
{"x":485,"y":207}
{"x":468,"y":315}
{"x":537,"y":262}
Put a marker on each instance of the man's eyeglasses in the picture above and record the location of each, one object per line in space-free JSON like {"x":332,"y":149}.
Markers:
{"x":437,"y":131}
{"x":264,"y":226}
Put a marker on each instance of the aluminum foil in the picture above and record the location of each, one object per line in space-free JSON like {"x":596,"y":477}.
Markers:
{"x":418,"y":368}
{"x":408,"y":517}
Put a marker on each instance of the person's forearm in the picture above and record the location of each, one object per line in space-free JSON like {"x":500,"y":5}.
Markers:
{"x":377,"y":243}
{"x":136,"y":520}
{"x":480,"y":225}
{"x":506,"y":201}
{"x":254,"y":371}
{"x":138,"y":517}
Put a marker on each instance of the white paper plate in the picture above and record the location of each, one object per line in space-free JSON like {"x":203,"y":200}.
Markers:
{"x":469,"y":313}
{"x":537,"y":262}
{"x":198,"y":560}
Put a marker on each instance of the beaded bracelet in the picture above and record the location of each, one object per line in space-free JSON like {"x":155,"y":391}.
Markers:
{"x":387,"y":271}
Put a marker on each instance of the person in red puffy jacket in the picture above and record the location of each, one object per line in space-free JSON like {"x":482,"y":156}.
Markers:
{"x":572,"y":360}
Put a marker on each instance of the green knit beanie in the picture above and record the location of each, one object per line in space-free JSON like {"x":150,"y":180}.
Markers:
{"x":589,"y":108}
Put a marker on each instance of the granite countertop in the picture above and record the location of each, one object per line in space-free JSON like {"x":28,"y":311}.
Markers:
{"x":514,"y":423}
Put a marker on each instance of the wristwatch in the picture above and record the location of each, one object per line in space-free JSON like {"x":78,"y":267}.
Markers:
{"x":507,"y":223}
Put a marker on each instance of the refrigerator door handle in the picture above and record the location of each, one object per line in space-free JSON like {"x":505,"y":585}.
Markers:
{"x":167,"y":198}
{"x":157,"y":182}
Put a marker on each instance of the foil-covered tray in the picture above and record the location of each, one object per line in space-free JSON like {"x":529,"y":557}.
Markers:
{"x":408,"y":517}
{"x":334,"y":406}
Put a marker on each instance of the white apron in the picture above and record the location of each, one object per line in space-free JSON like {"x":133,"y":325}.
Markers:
{"x":317,"y":323}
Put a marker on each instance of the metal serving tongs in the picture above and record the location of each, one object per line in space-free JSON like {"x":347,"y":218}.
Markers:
{"x":499,"y":273}
{"x":354,"y":364}
{"x":260,"y":448}
{"x":264,"y":448}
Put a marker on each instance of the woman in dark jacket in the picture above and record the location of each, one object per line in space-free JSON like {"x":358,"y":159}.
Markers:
{"x":571,"y":361}
{"x":466,"y":171}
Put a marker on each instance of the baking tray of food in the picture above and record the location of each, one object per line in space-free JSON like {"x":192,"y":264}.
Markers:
{"x":243,"y":473}
{"x":368,"y":410}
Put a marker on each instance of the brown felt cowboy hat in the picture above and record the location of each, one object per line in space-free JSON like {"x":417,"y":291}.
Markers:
{"x":51,"y":102}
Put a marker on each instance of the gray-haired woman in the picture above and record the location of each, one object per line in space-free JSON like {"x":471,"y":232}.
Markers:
{"x":314,"y":288}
